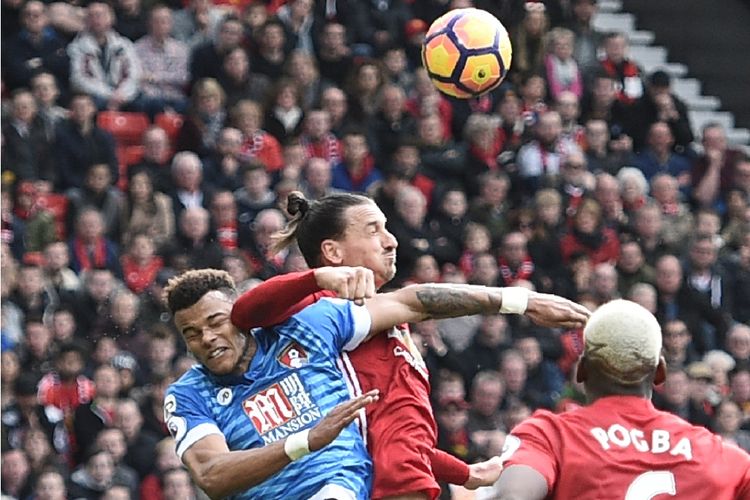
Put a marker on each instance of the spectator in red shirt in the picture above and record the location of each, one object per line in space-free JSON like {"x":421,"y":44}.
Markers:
{"x":588,"y":235}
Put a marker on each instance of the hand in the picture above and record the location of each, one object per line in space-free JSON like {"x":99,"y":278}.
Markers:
{"x":714,"y":157}
{"x":484,"y":473}
{"x":330,"y":426}
{"x":352,"y":283}
{"x":554,"y":311}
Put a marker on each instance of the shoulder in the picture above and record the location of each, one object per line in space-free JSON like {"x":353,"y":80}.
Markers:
{"x":191,"y":382}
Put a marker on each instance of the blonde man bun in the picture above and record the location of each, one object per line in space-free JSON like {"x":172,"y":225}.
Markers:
{"x":623,"y":340}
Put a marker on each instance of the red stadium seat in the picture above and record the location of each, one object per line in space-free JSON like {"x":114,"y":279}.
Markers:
{"x":171,"y":123}
{"x":127,"y":156}
{"x":126,"y":127}
{"x":57,"y":204}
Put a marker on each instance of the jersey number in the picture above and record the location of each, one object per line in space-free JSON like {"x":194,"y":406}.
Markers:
{"x":652,"y":483}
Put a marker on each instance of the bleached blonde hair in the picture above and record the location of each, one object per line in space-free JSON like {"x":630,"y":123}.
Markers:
{"x":623,"y":340}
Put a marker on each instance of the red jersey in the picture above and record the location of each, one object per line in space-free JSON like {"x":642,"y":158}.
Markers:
{"x":622,"y":447}
{"x":399,"y":429}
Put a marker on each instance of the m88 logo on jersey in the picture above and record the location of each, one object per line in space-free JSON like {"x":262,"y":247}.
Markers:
{"x":281,"y":409}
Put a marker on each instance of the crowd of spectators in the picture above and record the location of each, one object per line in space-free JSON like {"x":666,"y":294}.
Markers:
{"x":578,"y":176}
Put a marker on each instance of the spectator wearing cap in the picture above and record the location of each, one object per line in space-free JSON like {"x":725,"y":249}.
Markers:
{"x":91,"y":418}
{"x":703,"y":392}
{"x":659,"y":104}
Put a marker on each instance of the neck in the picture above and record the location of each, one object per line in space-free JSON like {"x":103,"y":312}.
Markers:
{"x":248,"y":352}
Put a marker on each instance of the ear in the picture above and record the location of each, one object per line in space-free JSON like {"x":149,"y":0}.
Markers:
{"x":581,"y":371}
{"x":661,"y":371}
{"x":331,"y":252}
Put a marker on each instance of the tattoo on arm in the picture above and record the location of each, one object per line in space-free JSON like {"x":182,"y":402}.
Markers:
{"x":444,"y":302}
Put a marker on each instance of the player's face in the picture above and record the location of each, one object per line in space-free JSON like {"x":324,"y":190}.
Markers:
{"x":209,"y":333}
{"x":368,"y":243}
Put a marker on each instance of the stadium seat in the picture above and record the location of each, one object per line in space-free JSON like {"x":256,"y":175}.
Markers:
{"x":127,"y":156}
{"x":57,"y":204}
{"x":127,"y":128}
{"x":171,"y":123}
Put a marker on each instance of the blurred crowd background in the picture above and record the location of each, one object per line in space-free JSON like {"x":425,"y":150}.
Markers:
{"x":141,"y":139}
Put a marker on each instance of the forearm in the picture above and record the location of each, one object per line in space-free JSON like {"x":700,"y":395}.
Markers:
{"x":235,"y":471}
{"x":416,"y":303}
{"x":266,"y":303}
{"x":708,"y":187}
{"x":448,"y":468}
{"x":435,"y":301}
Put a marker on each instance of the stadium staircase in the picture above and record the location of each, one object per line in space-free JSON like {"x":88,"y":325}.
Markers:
{"x":708,"y":52}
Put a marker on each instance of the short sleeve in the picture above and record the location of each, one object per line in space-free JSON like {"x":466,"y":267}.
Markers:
{"x":187,"y":417}
{"x":531,"y":444}
{"x":342,"y":322}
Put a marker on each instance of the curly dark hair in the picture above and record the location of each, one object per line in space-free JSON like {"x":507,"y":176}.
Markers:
{"x":186,"y":289}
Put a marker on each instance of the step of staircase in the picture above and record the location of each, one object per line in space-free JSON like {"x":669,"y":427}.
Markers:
{"x":607,"y":22}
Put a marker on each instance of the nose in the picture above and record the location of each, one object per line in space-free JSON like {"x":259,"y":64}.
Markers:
{"x":390,"y":242}
{"x":208,"y":337}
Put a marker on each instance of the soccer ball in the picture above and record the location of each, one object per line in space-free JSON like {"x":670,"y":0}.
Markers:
{"x":466,"y":52}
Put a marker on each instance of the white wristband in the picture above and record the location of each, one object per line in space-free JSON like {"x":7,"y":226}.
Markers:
{"x":296,"y":445}
{"x":515,"y":300}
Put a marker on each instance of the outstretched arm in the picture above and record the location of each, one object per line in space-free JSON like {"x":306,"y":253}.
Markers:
{"x":276,"y":299}
{"x":420,"y":302}
{"x":221,"y":472}
{"x":273,"y":301}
